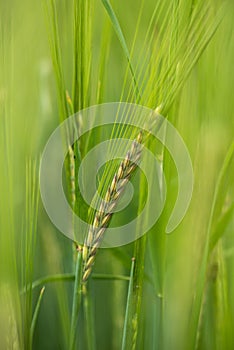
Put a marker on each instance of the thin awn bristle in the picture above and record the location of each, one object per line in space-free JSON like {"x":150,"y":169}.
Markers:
{"x":103,"y":216}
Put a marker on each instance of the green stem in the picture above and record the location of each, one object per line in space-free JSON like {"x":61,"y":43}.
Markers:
{"x":138,"y":277}
{"x":88,"y":314}
{"x":127,"y":313}
{"x":139,"y":253}
{"x":76,"y":301}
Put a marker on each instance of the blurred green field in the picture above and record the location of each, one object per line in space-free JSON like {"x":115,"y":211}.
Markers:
{"x":182,"y":292}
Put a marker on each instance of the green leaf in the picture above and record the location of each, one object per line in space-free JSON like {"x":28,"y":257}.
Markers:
{"x":35,"y":315}
{"x":128,"y":305}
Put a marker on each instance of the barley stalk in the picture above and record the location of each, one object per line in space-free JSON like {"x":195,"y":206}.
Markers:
{"x":105,"y":212}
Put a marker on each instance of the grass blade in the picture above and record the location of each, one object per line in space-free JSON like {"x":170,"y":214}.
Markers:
{"x":197,"y":308}
{"x":35,"y":315}
{"x":120,"y":35}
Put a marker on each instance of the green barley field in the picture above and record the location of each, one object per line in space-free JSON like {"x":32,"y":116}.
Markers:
{"x":160,"y":291}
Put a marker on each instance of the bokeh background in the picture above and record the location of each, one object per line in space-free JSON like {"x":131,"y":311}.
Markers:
{"x":31,"y":247}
